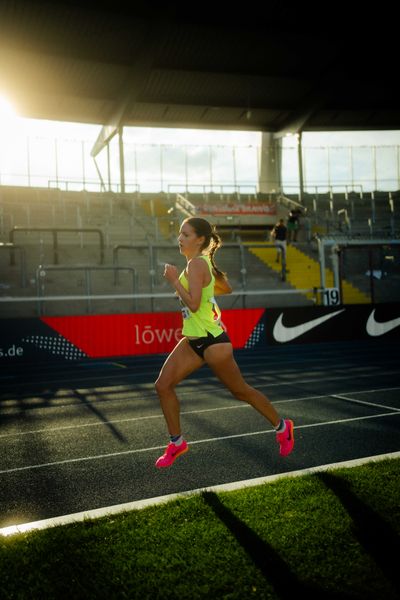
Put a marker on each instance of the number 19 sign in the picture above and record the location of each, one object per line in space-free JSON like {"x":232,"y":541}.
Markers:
{"x":330,"y":297}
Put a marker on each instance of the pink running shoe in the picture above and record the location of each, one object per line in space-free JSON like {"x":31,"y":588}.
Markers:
{"x":286,"y":439}
{"x":172,"y":452}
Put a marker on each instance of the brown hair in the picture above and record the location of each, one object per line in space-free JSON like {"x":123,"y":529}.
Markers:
{"x":212,"y":241}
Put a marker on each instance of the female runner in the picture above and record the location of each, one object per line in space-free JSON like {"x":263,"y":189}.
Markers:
{"x":204,"y":339}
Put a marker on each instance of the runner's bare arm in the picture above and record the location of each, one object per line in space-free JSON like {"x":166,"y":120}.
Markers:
{"x":195,"y":271}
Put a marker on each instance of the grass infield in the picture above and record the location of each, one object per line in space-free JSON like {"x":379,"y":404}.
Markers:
{"x":331,"y":534}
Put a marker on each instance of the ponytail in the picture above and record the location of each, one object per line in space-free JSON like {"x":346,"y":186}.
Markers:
{"x":215,"y":243}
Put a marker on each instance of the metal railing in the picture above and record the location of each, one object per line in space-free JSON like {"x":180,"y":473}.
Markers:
{"x":42,"y":270}
{"x":11,"y":248}
{"x":55,"y":231}
{"x":183,"y":204}
{"x":90,"y":185}
{"x":245,"y":189}
{"x":30,"y":211}
{"x":137,"y":296}
{"x":281,"y":251}
{"x":154,"y":272}
{"x":338,"y":244}
{"x":343,"y":224}
{"x":154,"y":261}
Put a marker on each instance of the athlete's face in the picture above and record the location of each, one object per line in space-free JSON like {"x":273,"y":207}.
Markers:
{"x":189,"y":242}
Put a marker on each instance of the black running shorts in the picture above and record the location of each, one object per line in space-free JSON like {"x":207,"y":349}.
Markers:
{"x":200,"y":344}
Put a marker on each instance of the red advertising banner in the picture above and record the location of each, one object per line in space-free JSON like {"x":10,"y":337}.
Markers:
{"x":142,"y":333}
{"x":237,"y":209}
{"x":71,"y":338}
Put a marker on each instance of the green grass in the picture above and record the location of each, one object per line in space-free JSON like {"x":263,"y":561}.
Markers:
{"x":326,"y":535}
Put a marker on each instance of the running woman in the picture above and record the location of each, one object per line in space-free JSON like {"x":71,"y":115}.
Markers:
{"x":204,"y":340}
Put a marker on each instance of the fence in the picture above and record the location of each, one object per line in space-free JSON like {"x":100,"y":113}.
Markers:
{"x":42,"y":271}
{"x":67,"y":164}
{"x":55,"y":231}
{"x":11,"y":248}
{"x":370,"y":265}
{"x":90,"y":298}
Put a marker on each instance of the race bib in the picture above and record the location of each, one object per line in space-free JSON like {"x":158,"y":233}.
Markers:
{"x":184,"y":310}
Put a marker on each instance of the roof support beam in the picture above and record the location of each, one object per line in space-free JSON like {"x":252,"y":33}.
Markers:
{"x":299,"y":118}
{"x":136,"y":77}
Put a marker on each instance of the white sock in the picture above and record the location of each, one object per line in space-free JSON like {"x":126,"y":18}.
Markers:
{"x":176,"y":439}
{"x":281,"y":427}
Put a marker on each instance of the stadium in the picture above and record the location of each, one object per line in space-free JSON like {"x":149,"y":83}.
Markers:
{"x":136,"y":119}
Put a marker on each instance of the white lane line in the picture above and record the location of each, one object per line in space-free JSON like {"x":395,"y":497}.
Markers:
{"x":135,"y":419}
{"x":363,"y":402}
{"x":192,"y":443}
{"x":323,"y":379}
{"x":205,"y":410}
{"x":247,"y":366}
{"x":113,"y":422}
{"x":204,"y":382}
{"x":225,"y":487}
{"x":386,"y":389}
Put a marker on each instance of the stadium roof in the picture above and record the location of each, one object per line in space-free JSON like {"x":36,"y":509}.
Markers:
{"x":269,"y":66}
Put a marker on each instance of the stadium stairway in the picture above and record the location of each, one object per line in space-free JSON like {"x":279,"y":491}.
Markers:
{"x":303,"y":272}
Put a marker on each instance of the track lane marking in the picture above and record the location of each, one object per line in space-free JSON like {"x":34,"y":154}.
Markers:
{"x":363,"y":402}
{"x":205,"y":410}
{"x":191,"y":443}
{"x":252,"y":373}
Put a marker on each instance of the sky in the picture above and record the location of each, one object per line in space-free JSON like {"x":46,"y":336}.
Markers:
{"x":37,"y":152}
{"x":352,"y":138}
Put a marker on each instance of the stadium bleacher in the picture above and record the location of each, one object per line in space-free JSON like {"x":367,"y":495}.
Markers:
{"x":139,"y":232}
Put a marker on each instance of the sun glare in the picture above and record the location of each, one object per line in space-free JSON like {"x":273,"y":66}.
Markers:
{"x":8,"y":130}
{"x":7,"y":110}
{"x":8,"y":117}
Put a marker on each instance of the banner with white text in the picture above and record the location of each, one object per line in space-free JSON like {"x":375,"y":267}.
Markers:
{"x":68,"y":338}
{"x":95,"y":336}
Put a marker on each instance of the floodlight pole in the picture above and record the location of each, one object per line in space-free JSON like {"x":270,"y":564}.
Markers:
{"x":121,"y":158}
{"x":300,"y":163}
{"x":108,"y":166}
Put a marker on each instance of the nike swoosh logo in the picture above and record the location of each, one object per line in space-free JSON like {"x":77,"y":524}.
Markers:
{"x":376,"y":328}
{"x":282,"y":333}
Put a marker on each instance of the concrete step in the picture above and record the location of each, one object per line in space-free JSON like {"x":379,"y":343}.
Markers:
{"x":303,"y":272}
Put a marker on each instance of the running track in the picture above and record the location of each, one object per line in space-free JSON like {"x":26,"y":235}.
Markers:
{"x":82,"y":436}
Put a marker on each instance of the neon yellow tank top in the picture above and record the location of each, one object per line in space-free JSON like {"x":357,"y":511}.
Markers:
{"x":208,"y":316}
